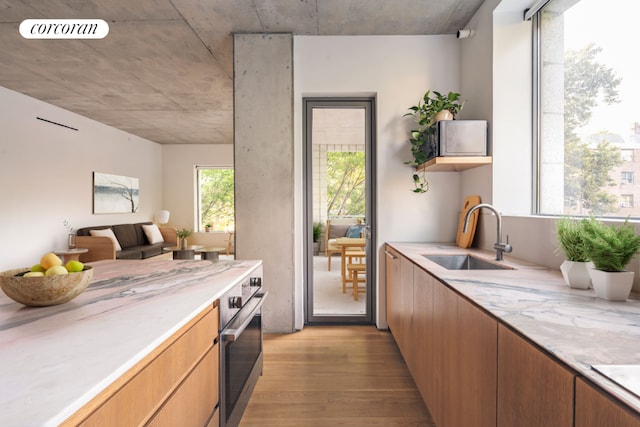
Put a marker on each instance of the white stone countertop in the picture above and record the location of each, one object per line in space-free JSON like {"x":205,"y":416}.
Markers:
{"x":53,"y":360}
{"x":570,"y":324}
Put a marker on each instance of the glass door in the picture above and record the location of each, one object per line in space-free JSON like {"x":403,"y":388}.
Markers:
{"x":339,"y":158}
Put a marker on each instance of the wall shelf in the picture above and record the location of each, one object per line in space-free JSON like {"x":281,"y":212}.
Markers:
{"x":454,"y":164}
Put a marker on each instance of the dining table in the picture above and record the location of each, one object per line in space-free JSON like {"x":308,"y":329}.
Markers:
{"x":346,"y":244}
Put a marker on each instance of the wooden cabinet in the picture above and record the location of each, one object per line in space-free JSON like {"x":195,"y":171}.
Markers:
{"x":594,"y":408}
{"x":472,"y":370}
{"x":392,"y":276}
{"x":422,"y":333}
{"x":533,"y":389}
{"x":448,"y":344}
{"x":176,"y":384}
{"x":399,"y":287}
{"x":476,"y":369}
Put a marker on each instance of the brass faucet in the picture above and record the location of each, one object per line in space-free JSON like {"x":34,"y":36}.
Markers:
{"x":499,"y":246}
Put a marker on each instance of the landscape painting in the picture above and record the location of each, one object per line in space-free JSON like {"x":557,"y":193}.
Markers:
{"x":115,"y":193}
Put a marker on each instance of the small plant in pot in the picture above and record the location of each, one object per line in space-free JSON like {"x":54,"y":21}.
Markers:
{"x":317,"y":229}
{"x":611,"y":248}
{"x":182,"y":234}
{"x":571,"y":241}
{"x":433,"y":106}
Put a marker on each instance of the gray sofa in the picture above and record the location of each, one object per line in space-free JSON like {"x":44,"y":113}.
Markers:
{"x":131,"y":237}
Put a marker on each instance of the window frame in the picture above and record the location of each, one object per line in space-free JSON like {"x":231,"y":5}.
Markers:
{"x":198,"y":214}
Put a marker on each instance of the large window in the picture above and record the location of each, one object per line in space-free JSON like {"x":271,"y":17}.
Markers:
{"x":589,"y":108}
{"x":215,"y":199}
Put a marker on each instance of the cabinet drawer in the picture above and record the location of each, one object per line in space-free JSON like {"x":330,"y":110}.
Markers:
{"x":595,"y":408}
{"x":134,"y":397}
{"x":195,"y":399}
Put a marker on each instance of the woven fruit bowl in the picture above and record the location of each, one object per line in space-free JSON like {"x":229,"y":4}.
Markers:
{"x":43,"y":291}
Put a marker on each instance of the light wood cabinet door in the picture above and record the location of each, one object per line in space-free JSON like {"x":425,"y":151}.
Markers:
{"x":476,"y":370}
{"x":422,"y":334}
{"x":444,"y":327}
{"x":195,"y":399}
{"x":595,"y":409}
{"x":406,"y":310}
{"x":533,"y":389}
{"x":392,"y":276}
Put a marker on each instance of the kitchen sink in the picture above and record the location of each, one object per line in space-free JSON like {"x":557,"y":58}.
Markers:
{"x":465,"y":262}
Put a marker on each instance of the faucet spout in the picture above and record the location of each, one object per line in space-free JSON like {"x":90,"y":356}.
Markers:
{"x":499,"y":246}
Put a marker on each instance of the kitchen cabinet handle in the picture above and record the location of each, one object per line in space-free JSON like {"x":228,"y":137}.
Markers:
{"x":390,"y":255}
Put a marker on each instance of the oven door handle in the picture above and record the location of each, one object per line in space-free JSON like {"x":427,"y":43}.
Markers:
{"x":233,"y":332}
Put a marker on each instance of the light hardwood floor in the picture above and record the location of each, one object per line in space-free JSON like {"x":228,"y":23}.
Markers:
{"x":335,"y":376}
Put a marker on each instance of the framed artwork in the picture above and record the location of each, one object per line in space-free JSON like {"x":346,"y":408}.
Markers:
{"x":115,"y":193}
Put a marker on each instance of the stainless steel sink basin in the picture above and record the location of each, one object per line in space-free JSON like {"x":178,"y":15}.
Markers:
{"x":465,"y":262}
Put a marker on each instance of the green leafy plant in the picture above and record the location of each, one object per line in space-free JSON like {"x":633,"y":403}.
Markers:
{"x":424,"y":113}
{"x":183,"y":233}
{"x":610,"y":247}
{"x":571,"y":239}
{"x":317,"y":228}
{"x":431,"y":104}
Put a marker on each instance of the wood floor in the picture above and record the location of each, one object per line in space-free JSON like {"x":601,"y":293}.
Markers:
{"x":335,"y":376}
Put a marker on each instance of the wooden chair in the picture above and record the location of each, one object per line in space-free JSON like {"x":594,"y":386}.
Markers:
{"x":354,"y":274}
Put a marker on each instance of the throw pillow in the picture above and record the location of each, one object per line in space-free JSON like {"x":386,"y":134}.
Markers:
{"x":355,"y":231}
{"x":107,"y":232}
{"x":153,"y":233}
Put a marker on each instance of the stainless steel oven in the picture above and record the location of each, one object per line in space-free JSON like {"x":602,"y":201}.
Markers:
{"x":240,"y":347}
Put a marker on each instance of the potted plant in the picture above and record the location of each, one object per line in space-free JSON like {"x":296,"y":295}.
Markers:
{"x":317,"y":229}
{"x":571,"y":241}
{"x":611,"y":248}
{"x":182,"y":234}
{"x":433,"y":106}
{"x":207,"y":227}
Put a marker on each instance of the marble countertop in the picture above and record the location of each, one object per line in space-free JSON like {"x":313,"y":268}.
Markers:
{"x":571,"y":324}
{"x":55,"y":359}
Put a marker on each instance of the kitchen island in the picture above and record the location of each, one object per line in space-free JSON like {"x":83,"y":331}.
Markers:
{"x":56,"y":360}
{"x":504,"y":323}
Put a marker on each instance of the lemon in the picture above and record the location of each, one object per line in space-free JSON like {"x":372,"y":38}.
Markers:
{"x":33,"y":274}
{"x":56,"y":270}
{"x":50,"y":260}
{"x":74,"y":266}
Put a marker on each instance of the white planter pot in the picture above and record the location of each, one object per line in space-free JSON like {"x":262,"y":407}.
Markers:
{"x":576,"y":274}
{"x":443,"y":115}
{"x":612,"y":286}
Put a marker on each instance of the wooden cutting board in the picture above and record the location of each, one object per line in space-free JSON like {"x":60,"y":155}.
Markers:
{"x":464,"y":240}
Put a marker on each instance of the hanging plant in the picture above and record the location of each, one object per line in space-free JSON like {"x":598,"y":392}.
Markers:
{"x":424,"y":113}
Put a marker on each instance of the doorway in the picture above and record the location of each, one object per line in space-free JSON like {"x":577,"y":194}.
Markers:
{"x":339,"y":147}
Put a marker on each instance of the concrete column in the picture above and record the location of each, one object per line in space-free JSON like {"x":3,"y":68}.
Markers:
{"x":263,"y":157}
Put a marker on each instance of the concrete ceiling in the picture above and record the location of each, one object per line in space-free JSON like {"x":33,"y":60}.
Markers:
{"x":165,"y":70}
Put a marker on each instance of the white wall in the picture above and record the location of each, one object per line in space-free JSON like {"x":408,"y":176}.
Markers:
{"x":179,"y":178}
{"x":46,"y":175}
{"x":397,"y":70}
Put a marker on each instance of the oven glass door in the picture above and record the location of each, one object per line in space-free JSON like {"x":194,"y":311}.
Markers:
{"x":240,"y":358}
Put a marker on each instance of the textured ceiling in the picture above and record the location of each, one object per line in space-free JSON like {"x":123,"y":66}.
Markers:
{"x":164,"y":72}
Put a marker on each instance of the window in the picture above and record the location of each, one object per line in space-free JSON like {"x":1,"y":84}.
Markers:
{"x":215,"y":199}
{"x":626,"y":177}
{"x":626,"y":200}
{"x":588,"y":108}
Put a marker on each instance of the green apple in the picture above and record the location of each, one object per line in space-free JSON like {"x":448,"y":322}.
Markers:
{"x":74,"y":266}
{"x":38,"y":268}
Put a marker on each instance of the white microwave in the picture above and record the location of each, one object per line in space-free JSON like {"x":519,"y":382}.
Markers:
{"x":459,"y":138}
